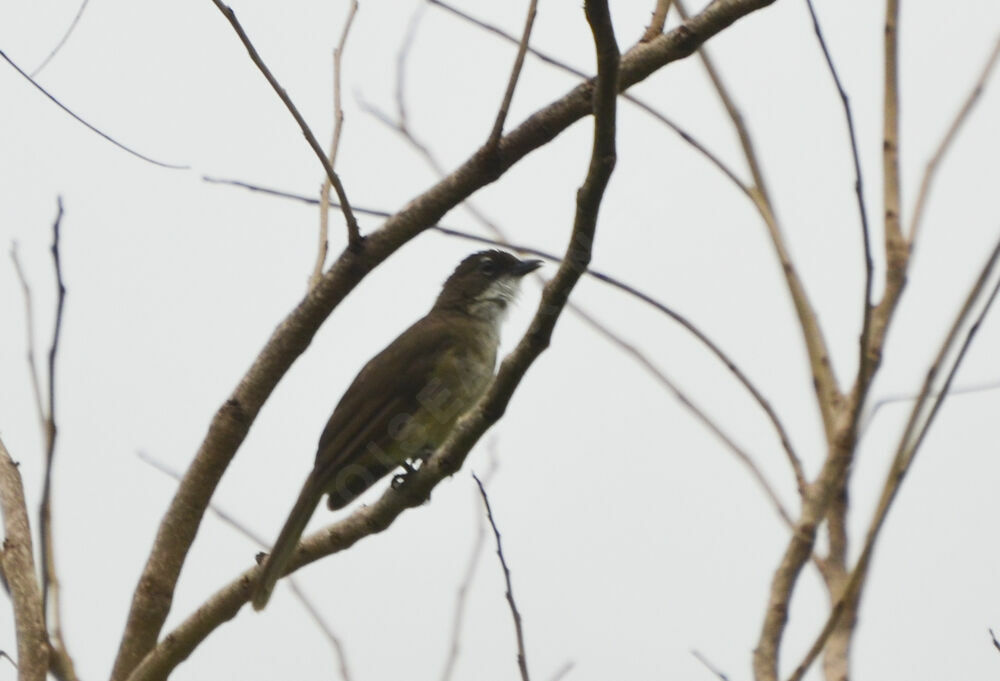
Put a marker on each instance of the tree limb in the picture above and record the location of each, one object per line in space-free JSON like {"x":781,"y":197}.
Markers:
{"x":19,"y":570}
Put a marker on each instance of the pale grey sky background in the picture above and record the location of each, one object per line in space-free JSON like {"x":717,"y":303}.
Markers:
{"x":633,"y":535}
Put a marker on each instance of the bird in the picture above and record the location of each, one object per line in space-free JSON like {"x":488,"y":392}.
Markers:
{"x":406,"y":399}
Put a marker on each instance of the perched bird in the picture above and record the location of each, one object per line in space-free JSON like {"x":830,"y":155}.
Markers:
{"x":404,"y":402}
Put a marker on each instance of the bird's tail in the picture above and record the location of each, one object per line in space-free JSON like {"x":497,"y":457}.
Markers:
{"x":286,"y":543}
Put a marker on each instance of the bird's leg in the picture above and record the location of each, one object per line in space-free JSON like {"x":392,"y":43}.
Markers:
{"x":411,"y":466}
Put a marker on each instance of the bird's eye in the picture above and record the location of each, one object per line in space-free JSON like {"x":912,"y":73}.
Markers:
{"x":488,"y":268}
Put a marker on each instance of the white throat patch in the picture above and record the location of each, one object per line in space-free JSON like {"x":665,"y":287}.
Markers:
{"x":491,"y":305}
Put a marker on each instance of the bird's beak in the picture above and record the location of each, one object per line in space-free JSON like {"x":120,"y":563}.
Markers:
{"x":524,"y":267}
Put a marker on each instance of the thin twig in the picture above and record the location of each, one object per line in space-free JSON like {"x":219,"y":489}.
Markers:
{"x":907,"y":397}
{"x":50,"y":583}
{"x":930,"y":170}
{"x":471,"y":567}
{"x":29,"y":323}
{"x":402,"y":58}
{"x":562,"y":671}
{"x":657,"y":21}
{"x":906,"y":452}
{"x":230,"y":520}
{"x":709,"y":666}
{"x":996,"y":643}
{"x":354,"y":238}
{"x":828,"y":394}
{"x":741,"y":454}
{"x":85,"y":123}
{"x":515,"y":73}
{"x":522,"y":662}
{"x":62,"y":41}
{"x":864,"y":362}
{"x":338,"y":122}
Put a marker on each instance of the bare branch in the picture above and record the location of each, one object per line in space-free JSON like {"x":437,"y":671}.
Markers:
{"x":741,"y":454}
{"x":85,"y":123}
{"x":62,"y":41}
{"x":930,"y":170}
{"x":891,"y":399}
{"x":906,"y":451}
{"x":354,"y":238}
{"x":515,"y":73}
{"x":828,"y":395}
{"x":522,"y":661}
{"x":229,"y":426}
{"x":19,"y":570}
{"x":659,"y":18}
{"x":29,"y":323}
{"x":50,"y":584}
{"x":300,"y":595}
{"x":709,"y":666}
{"x":338,"y":123}
{"x":864,"y":363}
{"x":896,"y":248}
{"x":996,"y":643}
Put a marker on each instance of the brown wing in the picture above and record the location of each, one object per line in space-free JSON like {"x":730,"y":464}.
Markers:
{"x":384,"y":392}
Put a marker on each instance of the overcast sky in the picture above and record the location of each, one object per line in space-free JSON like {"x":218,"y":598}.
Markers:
{"x":633,"y":535}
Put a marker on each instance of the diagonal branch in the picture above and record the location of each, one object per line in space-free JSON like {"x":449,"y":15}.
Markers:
{"x":153,"y":595}
{"x":300,"y":595}
{"x":909,"y":444}
{"x":657,"y":21}
{"x":354,"y":238}
{"x":87,"y":125}
{"x":470,"y":572}
{"x":62,"y":41}
{"x":866,"y":368}
{"x":930,"y":170}
{"x":515,"y":73}
{"x":828,"y":394}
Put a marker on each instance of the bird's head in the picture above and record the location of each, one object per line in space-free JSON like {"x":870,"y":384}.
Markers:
{"x":484,"y":284}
